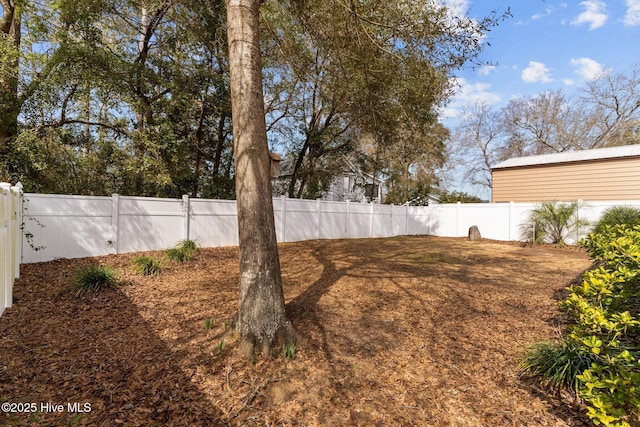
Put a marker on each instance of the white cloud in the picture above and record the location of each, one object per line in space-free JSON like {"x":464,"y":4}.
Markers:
{"x":587,"y":68}
{"x":468,"y":94}
{"x":595,"y":14}
{"x":485,"y":70}
{"x":536,"y":72}
{"x":568,"y":82}
{"x":632,"y":17}
{"x":456,"y":7}
{"x":547,"y":12}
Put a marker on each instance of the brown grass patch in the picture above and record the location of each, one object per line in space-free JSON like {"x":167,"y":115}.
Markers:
{"x":403,"y":331}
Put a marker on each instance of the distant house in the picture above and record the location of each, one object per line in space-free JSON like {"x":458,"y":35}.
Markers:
{"x":428,"y":200}
{"x":355,"y":185}
{"x":611,"y":173}
{"x":352,"y":184}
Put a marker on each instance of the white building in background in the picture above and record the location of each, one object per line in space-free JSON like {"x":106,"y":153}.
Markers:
{"x":356,"y":186}
{"x":351,"y":185}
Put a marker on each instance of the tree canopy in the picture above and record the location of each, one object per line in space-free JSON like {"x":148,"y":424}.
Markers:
{"x":133,"y":97}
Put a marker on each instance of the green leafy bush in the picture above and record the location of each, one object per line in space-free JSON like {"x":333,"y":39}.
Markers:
{"x":553,"y":222}
{"x":605,"y":309}
{"x":617,"y":215}
{"x":183,"y":252}
{"x":94,"y":278}
{"x":147,"y":266}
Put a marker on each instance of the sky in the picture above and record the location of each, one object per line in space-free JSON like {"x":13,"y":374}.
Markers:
{"x":546,"y":45}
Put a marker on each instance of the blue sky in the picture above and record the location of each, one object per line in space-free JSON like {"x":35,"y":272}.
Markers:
{"x":545,"y":45}
{"x":549,"y":45}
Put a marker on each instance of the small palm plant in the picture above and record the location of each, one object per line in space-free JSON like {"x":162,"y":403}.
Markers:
{"x":553,"y":222}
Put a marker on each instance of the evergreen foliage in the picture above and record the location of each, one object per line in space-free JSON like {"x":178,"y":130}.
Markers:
{"x":604,"y":337}
{"x":617,"y":215}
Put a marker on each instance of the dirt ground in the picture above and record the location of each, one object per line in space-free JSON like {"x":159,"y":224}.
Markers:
{"x":404,"y":331}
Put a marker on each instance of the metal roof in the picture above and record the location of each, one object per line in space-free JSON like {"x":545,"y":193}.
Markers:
{"x":572,"y":156}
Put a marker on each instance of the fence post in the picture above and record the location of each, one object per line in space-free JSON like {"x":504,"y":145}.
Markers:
{"x":115,"y":222}
{"x":6,"y":262}
{"x":580,"y":203}
{"x":185,"y":216}
{"x":459,"y":232}
{"x":283,"y":218}
{"x":511,"y":207}
{"x":318,"y":212}
{"x":371,"y":221}
{"x":17,"y":226}
{"x":346,"y":228}
{"x":3,"y":256}
{"x":406,"y":220}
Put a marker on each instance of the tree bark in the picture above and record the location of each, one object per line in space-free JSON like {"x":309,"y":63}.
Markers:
{"x":10,"y":25}
{"x":261,"y":321}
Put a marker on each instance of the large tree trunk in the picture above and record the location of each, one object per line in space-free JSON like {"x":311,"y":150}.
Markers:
{"x":261,"y":321}
{"x":10,"y":24}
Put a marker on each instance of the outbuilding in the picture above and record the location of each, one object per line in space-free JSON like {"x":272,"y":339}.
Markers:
{"x":611,"y":173}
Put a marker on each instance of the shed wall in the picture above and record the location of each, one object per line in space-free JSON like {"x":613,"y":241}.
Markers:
{"x":608,"y":179}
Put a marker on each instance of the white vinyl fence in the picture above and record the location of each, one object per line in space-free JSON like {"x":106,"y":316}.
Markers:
{"x":39,"y":227}
{"x":57,"y":226}
{"x":82,"y":226}
{"x":10,"y":207}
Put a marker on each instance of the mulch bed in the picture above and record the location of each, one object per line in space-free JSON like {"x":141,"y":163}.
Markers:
{"x":408,"y":331}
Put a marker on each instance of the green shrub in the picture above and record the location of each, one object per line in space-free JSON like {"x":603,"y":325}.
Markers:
{"x":183,"y":252}
{"x":553,"y":222}
{"x":617,"y":215}
{"x":557,"y":363}
{"x":147,"y":266}
{"x":188,"y":245}
{"x":605,"y":310}
{"x":94,"y":278}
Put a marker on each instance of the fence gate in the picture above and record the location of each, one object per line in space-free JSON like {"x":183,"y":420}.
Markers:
{"x":10,"y":219}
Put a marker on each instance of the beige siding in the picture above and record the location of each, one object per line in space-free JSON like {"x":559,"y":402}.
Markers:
{"x":607,"y":179}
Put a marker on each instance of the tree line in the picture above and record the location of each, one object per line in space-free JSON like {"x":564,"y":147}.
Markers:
{"x":101,"y":97}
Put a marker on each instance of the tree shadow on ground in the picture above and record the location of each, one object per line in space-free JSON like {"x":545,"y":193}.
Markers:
{"x":95,"y":349}
{"x":447,"y":312}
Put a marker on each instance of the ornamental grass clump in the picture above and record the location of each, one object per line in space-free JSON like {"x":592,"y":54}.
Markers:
{"x":557,"y":364}
{"x":147,"y":266}
{"x":183,"y":252}
{"x":94,"y":278}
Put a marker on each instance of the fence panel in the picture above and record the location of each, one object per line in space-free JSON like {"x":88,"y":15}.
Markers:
{"x":359,"y":219}
{"x":146,"y":224}
{"x":5,"y":259}
{"x":334,"y":220}
{"x":10,"y":253}
{"x":492,"y":220}
{"x":381,"y":220}
{"x":444,"y":220}
{"x":82,"y":226}
{"x":213,"y":224}
{"x":296,"y":219}
{"x":66,"y":227}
